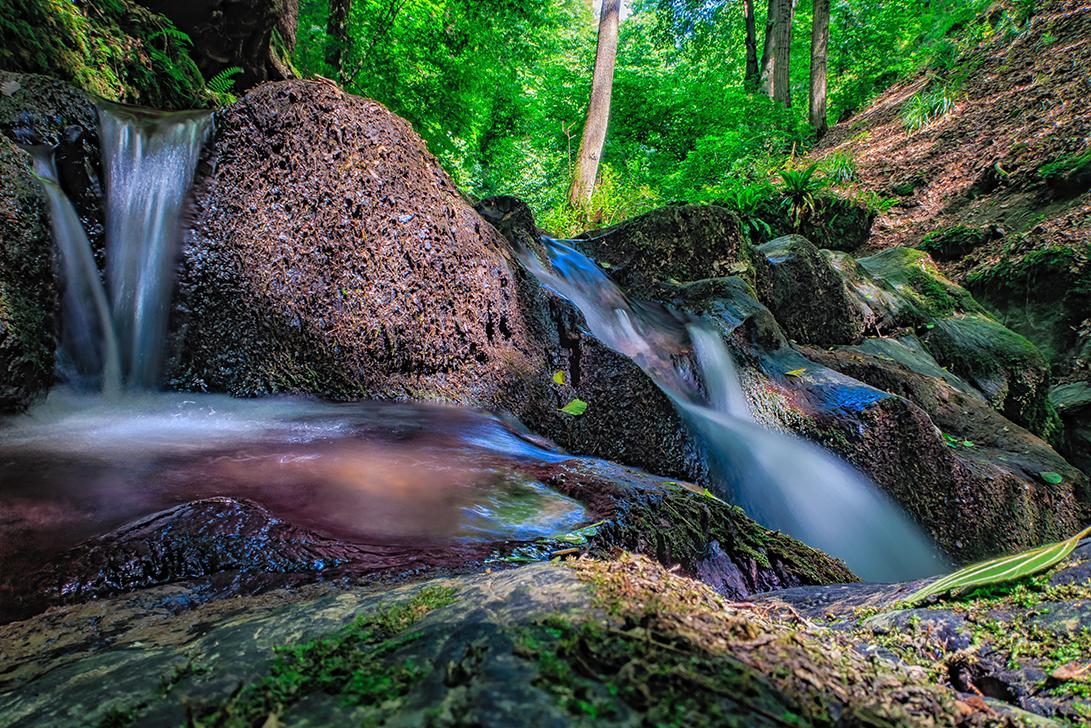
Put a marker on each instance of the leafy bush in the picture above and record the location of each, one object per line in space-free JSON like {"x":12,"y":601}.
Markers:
{"x":926,"y":107}
{"x":799,"y":192}
{"x":839,"y":167}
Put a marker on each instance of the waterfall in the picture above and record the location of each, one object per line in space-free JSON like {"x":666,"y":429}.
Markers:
{"x":113,"y":335}
{"x":149,"y":162}
{"x":782,"y":481}
{"x":89,"y":353}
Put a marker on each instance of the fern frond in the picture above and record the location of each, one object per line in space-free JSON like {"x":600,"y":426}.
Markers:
{"x":224,"y":81}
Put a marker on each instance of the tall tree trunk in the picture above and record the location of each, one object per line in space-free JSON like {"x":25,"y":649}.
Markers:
{"x":598,"y":110}
{"x":820,"y":42}
{"x":337,"y":37}
{"x":751,"y":45}
{"x":768,"y":48}
{"x":782,"y":49}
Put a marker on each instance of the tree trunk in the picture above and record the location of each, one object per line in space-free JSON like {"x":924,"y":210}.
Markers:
{"x":598,"y":110}
{"x":337,"y":38}
{"x":820,"y":41}
{"x":782,"y":52}
{"x":768,"y":48}
{"x":751,"y":45}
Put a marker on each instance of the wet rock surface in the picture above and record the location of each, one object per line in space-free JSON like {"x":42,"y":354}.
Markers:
{"x":27,"y":294}
{"x":1022,"y":644}
{"x":532,"y":644}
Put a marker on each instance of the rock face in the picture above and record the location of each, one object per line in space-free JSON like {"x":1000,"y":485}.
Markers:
{"x":679,"y":242}
{"x":27,"y":296}
{"x":808,"y":296}
{"x":34,"y":111}
{"x":329,"y":253}
{"x":538,"y":645}
{"x":1019,"y":644}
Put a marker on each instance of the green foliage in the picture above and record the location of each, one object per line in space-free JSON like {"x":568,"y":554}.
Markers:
{"x":499,"y":91}
{"x":1000,"y":570}
{"x":575,"y":408}
{"x":115,"y":49}
{"x":799,"y":192}
{"x":839,"y":167}
{"x":925,"y":107}
{"x":224,"y":81}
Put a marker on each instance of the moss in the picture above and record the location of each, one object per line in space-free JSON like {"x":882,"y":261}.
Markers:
{"x":675,"y":526}
{"x":349,"y":664}
{"x":1069,"y":174}
{"x":115,"y":49}
{"x":914,"y":275}
{"x":673,"y":653}
{"x":954,"y":242}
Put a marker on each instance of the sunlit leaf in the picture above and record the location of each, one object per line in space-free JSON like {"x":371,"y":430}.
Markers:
{"x":796,"y":372}
{"x":575,"y":408}
{"x":558,"y":377}
{"x":1001,"y":569}
{"x":1050,"y":477}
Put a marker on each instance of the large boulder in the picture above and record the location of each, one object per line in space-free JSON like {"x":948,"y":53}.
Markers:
{"x":329,"y":253}
{"x":679,"y":243}
{"x":827,"y":313}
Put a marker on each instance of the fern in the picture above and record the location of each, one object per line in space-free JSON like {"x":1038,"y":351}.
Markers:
{"x":171,"y":33}
{"x":224,"y":81}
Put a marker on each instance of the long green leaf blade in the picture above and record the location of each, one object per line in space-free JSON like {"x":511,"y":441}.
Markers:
{"x":1001,"y":569}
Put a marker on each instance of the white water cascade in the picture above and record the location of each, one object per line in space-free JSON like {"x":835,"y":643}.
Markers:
{"x":113,"y":334}
{"x":149,"y":163}
{"x":782,"y":481}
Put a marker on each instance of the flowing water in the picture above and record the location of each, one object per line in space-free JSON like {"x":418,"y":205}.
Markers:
{"x":377,"y":473}
{"x":782,"y":481}
{"x":82,"y":463}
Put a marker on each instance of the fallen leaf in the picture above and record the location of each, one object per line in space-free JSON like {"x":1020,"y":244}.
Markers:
{"x":558,"y":377}
{"x":1073,"y":671}
{"x":10,"y":87}
{"x":796,"y":372}
{"x":575,"y":408}
{"x":1050,"y":477}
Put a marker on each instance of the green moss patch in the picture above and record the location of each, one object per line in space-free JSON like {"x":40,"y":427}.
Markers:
{"x":349,"y":664}
{"x":1069,"y":174}
{"x":914,"y":275}
{"x":954,"y":242}
{"x":115,"y":49}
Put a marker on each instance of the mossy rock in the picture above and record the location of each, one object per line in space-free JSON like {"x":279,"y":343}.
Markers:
{"x":808,"y":296}
{"x":913,"y":274}
{"x":596,"y":642}
{"x":1068,"y":175}
{"x":677,"y":243}
{"x":837,"y":223}
{"x":1011,"y":372}
{"x":1044,"y":294}
{"x":28,"y":296}
{"x":957,"y":241}
{"x":115,"y":49}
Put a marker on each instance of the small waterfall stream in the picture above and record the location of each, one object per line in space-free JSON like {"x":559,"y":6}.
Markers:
{"x":782,"y":481}
{"x":113,"y":333}
{"x":149,"y":163}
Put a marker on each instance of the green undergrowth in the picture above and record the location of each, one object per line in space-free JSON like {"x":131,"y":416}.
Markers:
{"x":1003,"y":620}
{"x":115,"y":49}
{"x":351,"y":663}
{"x":1068,"y":174}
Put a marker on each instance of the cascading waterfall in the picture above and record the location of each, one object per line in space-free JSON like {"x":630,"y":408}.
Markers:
{"x":113,"y":335}
{"x":780,"y":480}
{"x":149,"y":161}
{"x":89,"y":352}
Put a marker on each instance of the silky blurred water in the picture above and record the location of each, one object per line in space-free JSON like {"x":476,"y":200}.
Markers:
{"x":782,"y":481}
